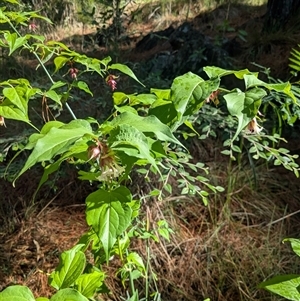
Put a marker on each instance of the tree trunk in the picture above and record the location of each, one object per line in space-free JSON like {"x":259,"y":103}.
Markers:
{"x":279,"y":12}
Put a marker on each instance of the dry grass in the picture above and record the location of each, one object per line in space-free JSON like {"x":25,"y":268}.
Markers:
{"x":221,"y":251}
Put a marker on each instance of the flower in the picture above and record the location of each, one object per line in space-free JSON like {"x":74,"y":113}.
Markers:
{"x":253,"y":127}
{"x":73,"y":72}
{"x":111,"y":81}
{"x":213,"y":97}
{"x":32,"y":26}
{"x":2,"y":121}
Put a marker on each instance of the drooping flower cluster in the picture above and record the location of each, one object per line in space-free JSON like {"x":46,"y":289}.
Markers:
{"x":106,"y":159}
{"x":111,"y":81}
{"x":253,"y":127}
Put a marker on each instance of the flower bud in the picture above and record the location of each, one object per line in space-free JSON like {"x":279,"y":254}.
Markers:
{"x":2,"y":121}
{"x":94,"y":152}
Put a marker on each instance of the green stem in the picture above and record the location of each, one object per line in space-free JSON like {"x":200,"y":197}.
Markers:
{"x":43,"y":66}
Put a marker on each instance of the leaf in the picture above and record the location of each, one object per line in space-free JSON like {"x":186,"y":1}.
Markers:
{"x":11,"y":112}
{"x":54,"y":96}
{"x":68,"y":294}
{"x":142,"y":99}
{"x":285,"y":286}
{"x":162,"y":94}
{"x":83,"y":86}
{"x":126,"y":70}
{"x":71,"y":265}
{"x":14,"y":42}
{"x":87,"y":284}
{"x":188,"y":93}
{"x":126,"y":138}
{"x":244,"y":106}
{"x":295,"y":244}
{"x":17,"y":293}
{"x":109,"y":214}
{"x":57,"y":84}
{"x":79,"y":147}
{"x":149,"y":124}
{"x":16,"y":97}
{"x":120,"y":98}
{"x":137,"y":260}
{"x":219,"y":72}
{"x":253,"y":81}
{"x":60,"y":61}
{"x":42,"y":299}
{"x":55,"y":142}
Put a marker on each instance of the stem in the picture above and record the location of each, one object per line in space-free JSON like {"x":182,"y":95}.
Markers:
{"x":43,"y":66}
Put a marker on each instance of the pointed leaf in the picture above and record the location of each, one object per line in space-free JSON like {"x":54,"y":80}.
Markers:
{"x":219,"y":72}
{"x":11,"y":112}
{"x":244,"y":106}
{"x":188,"y":93}
{"x":83,"y":86}
{"x":14,"y":42}
{"x":126,"y":70}
{"x":109,"y":214}
{"x":285,"y":286}
{"x":60,"y":61}
{"x":55,"y":142}
{"x":149,"y":124}
{"x":128,"y":139}
{"x":54,"y":96}
{"x":71,"y":265}
{"x":295,"y":243}
{"x":253,"y":81}
{"x":87,"y":284}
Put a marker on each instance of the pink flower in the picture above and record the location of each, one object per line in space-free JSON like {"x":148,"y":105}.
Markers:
{"x":32,"y":26}
{"x":111,"y":81}
{"x":73,"y":72}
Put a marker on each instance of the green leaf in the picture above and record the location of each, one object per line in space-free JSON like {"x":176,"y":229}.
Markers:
{"x":14,"y":42}
{"x":55,"y":142}
{"x":9,"y":111}
{"x":71,"y":265}
{"x":42,"y":299}
{"x":295,"y":243}
{"x":87,"y":284}
{"x":83,"y":86}
{"x":17,"y":96}
{"x":244,"y":106}
{"x":109,"y":214}
{"x":57,"y":85}
{"x":188,"y":93}
{"x":120,"y":98}
{"x":285,"y":286}
{"x":149,"y":124}
{"x":68,"y":294}
{"x":17,"y":293}
{"x":54,"y":96}
{"x":162,"y":94}
{"x":219,"y":72}
{"x":137,"y":260}
{"x":60,"y":61}
{"x":253,"y":81}
{"x":126,"y":70}
{"x":127,"y":139}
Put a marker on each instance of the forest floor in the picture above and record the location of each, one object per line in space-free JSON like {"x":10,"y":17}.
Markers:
{"x":222,"y":251}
